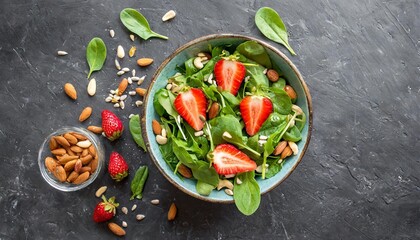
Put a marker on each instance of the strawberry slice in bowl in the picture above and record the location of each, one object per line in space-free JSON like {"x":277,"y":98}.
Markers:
{"x":254,"y":111}
{"x":227,"y":160}
{"x":229,"y":75}
{"x":192,"y":106}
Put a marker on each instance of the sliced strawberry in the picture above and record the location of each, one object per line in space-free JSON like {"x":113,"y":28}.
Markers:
{"x":229,"y":75}
{"x":192,"y":105}
{"x":227,"y":159}
{"x":255,"y":110}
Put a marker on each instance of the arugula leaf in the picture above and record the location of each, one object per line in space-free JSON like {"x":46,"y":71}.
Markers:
{"x":247,"y":194}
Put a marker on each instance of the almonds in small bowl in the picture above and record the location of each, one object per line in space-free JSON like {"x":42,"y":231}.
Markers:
{"x":71,"y":158}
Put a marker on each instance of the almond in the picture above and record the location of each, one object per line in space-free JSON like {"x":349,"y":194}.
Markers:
{"x":272,"y":75}
{"x":50,"y":164}
{"x":66,"y":159}
{"x":76,"y":149}
{"x":59,"y":151}
{"x":141,"y":91}
{"x":87,"y":111}
{"x":84,"y":144}
{"x":291,"y":92}
{"x":116,"y":229}
{"x":122,"y":87}
{"x":144,"y":62}
{"x":85,"y":169}
{"x":70,"y":165}
{"x":82,"y":178}
{"x":79,"y":136}
{"x":95,"y":129}
{"x":172,"y":212}
{"x":279,"y":148}
{"x":94,"y":164}
{"x":72,"y":176}
{"x":92,"y":150}
{"x":85,"y":152}
{"x":70,"y":138}
{"x":78,"y":166}
{"x":53,"y":144}
{"x":286,"y":152}
{"x":70,"y":91}
{"x":214,"y":110}
{"x":62,"y":141}
{"x":86,"y":159}
{"x":60,"y":173}
{"x":184,"y":171}
{"x":69,"y":151}
{"x":157,"y":129}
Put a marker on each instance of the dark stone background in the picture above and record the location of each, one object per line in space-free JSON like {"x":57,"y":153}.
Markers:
{"x":358,"y":180}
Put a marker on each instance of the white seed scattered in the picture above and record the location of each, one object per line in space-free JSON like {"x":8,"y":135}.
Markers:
{"x":230,"y":175}
{"x":294,"y":147}
{"x":112,"y":33}
{"x":169,"y":15}
{"x":116,"y":105}
{"x":62,"y":53}
{"x":141,"y":80}
{"x":129,"y":80}
{"x":227,"y":135}
{"x":280,"y":160}
{"x":132,"y":93}
{"x":229,"y":192}
{"x":259,"y":169}
{"x":124,"y":224}
{"x":197,"y":63}
{"x":120,"y":51}
{"x":139,"y":103}
{"x":108,"y":99}
{"x":297,"y":110}
{"x":100,"y":191}
{"x":133,"y":72}
{"x":200,"y":54}
{"x":126,"y":69}
{"x":112,"y":91}
{"x":131,"y":115}
{"x":91,"y":88}
{"x":119,"y":73}
{"x":161,"y":140}
{"x":132,"y":37}
{"x":247,"y":78}
{"x":111,"y":95}
{"x":263,"y":137}
{"x":210,"y":81}
{"x":140,"y":217}
{"x":117,"y":64}
{"x":292,"y":123}
{"x":122,"y":105}
{"x":238,"y":181}
{"x":116,"y":97}
{"x":133,"y":207}
{"x":155,"y":201}
{"x":103,"y":134}
{"x":84,"y":144}
{"x":135,"y":79}
{"x":265,"y":71}
{"x":169,"y":86}
{"x":210,"y":77}
{"x":124,"y":210}
{"x":199,"y":133}
{"x":123,"y":97}
{"x":163,"y":133}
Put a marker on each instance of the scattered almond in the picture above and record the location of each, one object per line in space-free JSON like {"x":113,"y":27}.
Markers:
{"x":184,"y":171}
{"x":116,"y":229}
{"x":279,"y":148}
{"x":272,"y":75}
{"x":141,"y":91}
{"x":95,"y":129}
{"x":290,"y":91}
{"x":101,"y":191}
{"x":82,"y":178}
{"x":157,"y":129}
{"x":172,"y":212}
{"x":122,"y":87}
{"x":70,"y":91}
{"x":87,"y":111}
{"x":132,"y":51}
{"x":214,"y":110}
{"x":144,"y":62}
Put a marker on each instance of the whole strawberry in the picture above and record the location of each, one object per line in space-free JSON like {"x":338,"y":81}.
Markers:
{"x":117,"y":167}
{"x":105,"y":210}
{"x":111,"y":125}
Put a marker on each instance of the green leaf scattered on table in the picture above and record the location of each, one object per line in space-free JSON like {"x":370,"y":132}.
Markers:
{"x":137,"y":184}
{"x":270,"y":24}
{"x":138,"y":24}
{"x":135,"y":130}
{"x":95,"y":54}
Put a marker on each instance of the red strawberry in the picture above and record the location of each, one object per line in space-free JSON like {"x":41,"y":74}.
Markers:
{"x":117,"y":167}
{"x":229,"y":75}
{"x":105,"y":210}
{"x":192,"y":106}
{"x":227,"y":159}
{"x":111,"y":125}
{"x":255,"y":110}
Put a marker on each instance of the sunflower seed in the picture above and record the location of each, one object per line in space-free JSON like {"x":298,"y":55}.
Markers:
{"x":169,"y":15}
{"x":132,"y":93}
{"x":129,"y":80}
{"x":120,"y":51}
{"x":199,"y":133}
{"x":140,"y":217}
{"x":238,"y":181}
{"x":108,"y":99}
{"x":229,"y":192}
{"x":62,"y":53}
{"x":163,"y":133}
{"x":161,"y":140}
{"x":133,"y":72}
{"x":123,"y":97}
{"x":210,"y":81}
{"x":197,"y":63}
{"x":265,"y":71}
{"x":135,"y":79}
{"x":117,"y":64}
{"x":124,"y":210}
{"x":112,"y":33}
{"x":139,"y":103}
{"x":112,"y":91}
{"x":124,"y":224}
{"x":132,"y":37}
{"x":155,"y":201}
{"x":169,"y":86}
{"x":133,"y":207}
{"x":200,"y":54}
{"x":126,"y":69}
{"x":119,"y":73}
{"x":116,"y":105}
{"x":122,"y":105}
{"x":262,"y":137}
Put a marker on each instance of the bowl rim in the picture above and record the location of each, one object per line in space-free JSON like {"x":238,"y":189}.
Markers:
{"x":218,"y":36}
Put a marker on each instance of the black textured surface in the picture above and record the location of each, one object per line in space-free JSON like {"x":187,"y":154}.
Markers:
{"x":358,"y":180}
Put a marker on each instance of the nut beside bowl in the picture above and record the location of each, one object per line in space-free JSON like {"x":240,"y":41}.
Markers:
{"x":78,"y":183}
{"x":168,"y":69}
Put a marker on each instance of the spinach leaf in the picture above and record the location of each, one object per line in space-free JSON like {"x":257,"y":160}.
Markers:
{"x":293,"y":135}
{"x":95,"y":54}
{"x":280,"y":84}
{"x":225,"y":123}
{"x":135,"y":130}
{"x":190,"y":69}
{"x":270,"y":24}
{"x":163,"y":102}
{"x":274,"y":168}
{"x":204,"y":188}
{"x":255,"y":52}
{"x":281,"y":101}
{"x":300,"y":121}
{"x":138,"y":24}
{"x":247,"y":194}
{"x":197,"y":78}
{"x":272,"y":124}
{"x":216,"y":51}
{"x":258,"y":78}
{"x":231,"y":98}
{"x":168,"y":154}
{"x":137,"y":184}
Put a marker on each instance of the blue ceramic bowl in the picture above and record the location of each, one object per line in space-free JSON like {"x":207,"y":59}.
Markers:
{"x":168,"y":69}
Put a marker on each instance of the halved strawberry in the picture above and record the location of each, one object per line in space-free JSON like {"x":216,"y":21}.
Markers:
{"x":255,"y":110}
{"x":192,"y":105}
{"x":229,"y":75}
{"x":227,"y":159}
